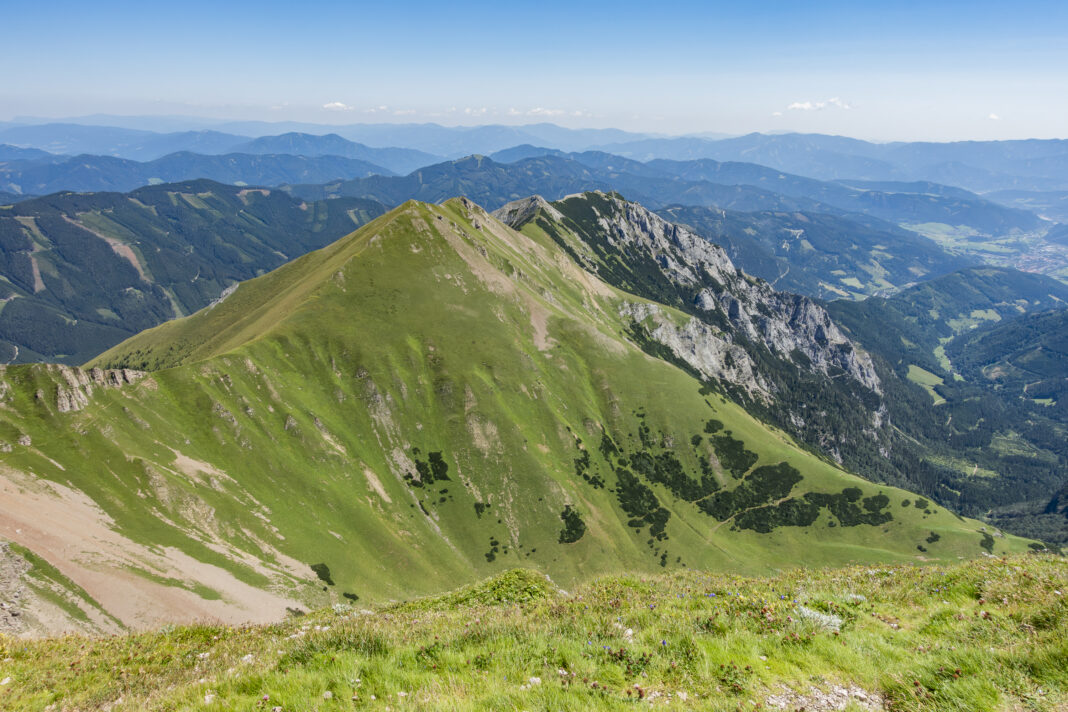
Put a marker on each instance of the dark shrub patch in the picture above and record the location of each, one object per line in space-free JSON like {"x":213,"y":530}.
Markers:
{"x":574,"y":527}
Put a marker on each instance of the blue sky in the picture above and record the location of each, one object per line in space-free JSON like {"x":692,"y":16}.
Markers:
{"x":903,"y":70}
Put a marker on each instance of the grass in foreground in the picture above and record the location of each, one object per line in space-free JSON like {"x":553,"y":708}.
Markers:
{"x":990,"y":634}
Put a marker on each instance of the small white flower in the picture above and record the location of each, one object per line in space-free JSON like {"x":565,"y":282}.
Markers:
{"x":682,"y":695}
{"x":328,"y":695}
{"x":402,"y":694}
{"x":5,"y":681}
{"x":534,"y":681}
{"x":208,"y":698}
{"x":203,"y":656}
{"x":247,"y":659}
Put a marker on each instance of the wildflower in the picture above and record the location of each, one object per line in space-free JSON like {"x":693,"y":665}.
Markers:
{"x":402,"y":693}
{"x":328,"y":695}
{"x":209,"y":697}
{"x":5,"y":681}
{"x":247,"y":659}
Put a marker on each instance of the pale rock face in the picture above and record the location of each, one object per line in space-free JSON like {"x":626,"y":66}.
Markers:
{"x":74,"y":386}
{"x":520,"y":211}
{"x":785,"y":323}
{"x":700,"y":346}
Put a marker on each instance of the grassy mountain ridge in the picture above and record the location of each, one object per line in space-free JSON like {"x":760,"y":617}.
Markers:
{"x":429,"y":400}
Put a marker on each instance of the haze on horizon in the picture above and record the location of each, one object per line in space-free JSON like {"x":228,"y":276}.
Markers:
{"x":911,"y":71}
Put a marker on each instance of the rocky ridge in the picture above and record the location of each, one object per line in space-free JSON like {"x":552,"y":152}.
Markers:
{"x":790,"y":326}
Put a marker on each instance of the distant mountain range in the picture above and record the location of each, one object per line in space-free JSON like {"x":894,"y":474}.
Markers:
{"x":106,"y":173}
{"x":982,"y":166}
{"x":736,"y":186}
{"x":976,"y":165}
{"x":398,"y":160}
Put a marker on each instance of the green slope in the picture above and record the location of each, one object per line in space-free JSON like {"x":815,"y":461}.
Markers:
{"x":429,"y":400}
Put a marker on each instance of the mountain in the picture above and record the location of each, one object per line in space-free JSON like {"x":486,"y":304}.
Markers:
{"x":75,"y":139}
{"x":14,"y":153}
{"x":1027,"y":356}
{"x":398,"y":160}
{"x":103,"y":173}
{"x":912,"y":327}
{"x":779,"y":354}
{"x":1026,"y":359}
{"x":856,"y":402}
{"x":819,"y":254}
{"x":901,"y":207}
{"x":660,"y":183}
{"x":476,"y":177}
{"x":975,"y":165}
{"x":430,"y":400}
{"x":113,"y":133}
{"x":82,"y":272}
{"x":1052,"y":205}
{"x":10,"y":198}
{"x":518,"y":153}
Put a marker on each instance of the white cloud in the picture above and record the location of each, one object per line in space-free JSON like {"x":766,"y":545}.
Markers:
{"x":476,"y":112}
{"x":994,"y":117}
{"x":776,"y":113}
{"x":337,"y":106}
{"x":404,"y":112}
{"x":833,"y":103}
{"x":539,"y":111}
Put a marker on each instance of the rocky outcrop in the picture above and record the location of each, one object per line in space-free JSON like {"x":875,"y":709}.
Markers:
{"x":700,"y":346}
{"x":519,"y":212}
{"x":74,"y":386}
{"x":792,"y":327}
{"x":13,"y":569}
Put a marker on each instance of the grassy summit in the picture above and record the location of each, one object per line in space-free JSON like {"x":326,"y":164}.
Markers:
{"x":982,"y":635}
